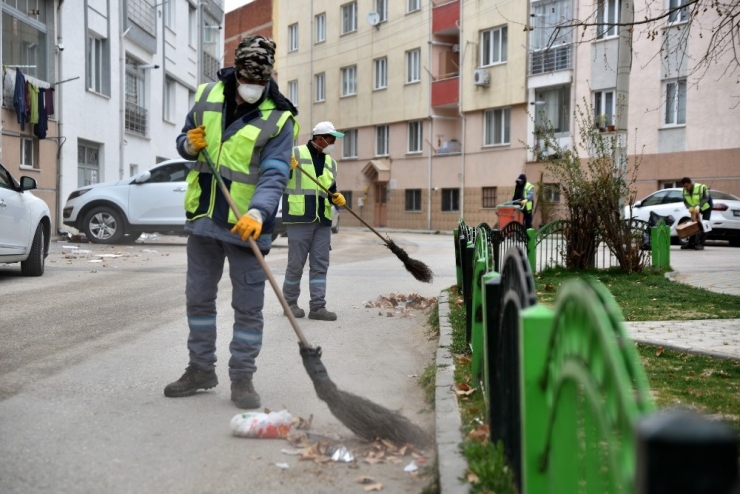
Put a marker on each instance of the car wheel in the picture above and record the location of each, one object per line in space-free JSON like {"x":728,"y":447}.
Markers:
{"x":735,"y":242}
{"x":34,"y":265}
{"x":131,"y":237}
{"x":103,"y":225}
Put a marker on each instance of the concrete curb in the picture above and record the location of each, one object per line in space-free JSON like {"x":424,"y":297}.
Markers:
{"x":451,"y":464}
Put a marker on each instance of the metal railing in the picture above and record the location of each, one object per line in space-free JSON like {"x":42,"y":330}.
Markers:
{"x":550,"y":59}
{"x":141,"y":12}
{"x":137,"y":119}
{"x":210,"y":66}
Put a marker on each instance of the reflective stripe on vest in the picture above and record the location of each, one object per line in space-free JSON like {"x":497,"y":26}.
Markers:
{"x":301,"y":187}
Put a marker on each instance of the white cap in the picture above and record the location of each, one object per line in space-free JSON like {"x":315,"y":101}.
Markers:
{"x":326,"y":128}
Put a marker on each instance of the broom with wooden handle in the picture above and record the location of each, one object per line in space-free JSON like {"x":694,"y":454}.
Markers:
{"x":363,"y":417}
{"x":418,"y":269}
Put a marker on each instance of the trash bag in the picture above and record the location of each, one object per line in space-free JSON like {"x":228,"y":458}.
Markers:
{"x":653,"y":222}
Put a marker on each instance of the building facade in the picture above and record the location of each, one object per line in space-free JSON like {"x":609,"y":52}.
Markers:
{"x":123,"y":74}
{"x":442,"y":102}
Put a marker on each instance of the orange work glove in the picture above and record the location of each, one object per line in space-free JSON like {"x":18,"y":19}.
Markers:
{"x":338,"y":199}
{"x":249,"y":225}
{"x":196,"y":139}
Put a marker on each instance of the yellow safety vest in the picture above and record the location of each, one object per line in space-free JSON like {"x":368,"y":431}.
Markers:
{"x":301,"y":189}
{"x":237,"y":159}
{"x":528,"y":187}
{"x":695,"y":198}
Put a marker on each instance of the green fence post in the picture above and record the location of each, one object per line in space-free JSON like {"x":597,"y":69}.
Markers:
{"x":536,"y":326}
{"x":458,"y":266}
{"x":491,"y":284}
{"x":476,"y":318}
{"x":532,"y":249}
{"x":660,"y":242}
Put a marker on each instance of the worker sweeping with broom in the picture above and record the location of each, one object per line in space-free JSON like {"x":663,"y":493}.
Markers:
{"x":246,"y":123}
{"x":307,"y":214}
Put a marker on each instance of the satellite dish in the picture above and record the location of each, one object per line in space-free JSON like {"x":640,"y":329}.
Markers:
{"x":373,"y":18}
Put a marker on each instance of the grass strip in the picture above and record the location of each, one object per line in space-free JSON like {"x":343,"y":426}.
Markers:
{"x":647,"y":296}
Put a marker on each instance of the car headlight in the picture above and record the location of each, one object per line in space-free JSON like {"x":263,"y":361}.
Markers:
{"x":78,"y":193}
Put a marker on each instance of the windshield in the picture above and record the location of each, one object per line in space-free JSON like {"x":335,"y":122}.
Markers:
{"x":722,"y":195}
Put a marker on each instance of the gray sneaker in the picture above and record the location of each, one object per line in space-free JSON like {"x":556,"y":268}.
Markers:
{"x":297,"y":311}
{"x":243,"y":394}
{"x":194,"y":379}
{"x":322,"y":315}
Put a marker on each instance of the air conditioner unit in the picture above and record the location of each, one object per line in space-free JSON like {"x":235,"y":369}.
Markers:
{"x":456,"y":48}
{"x":481,"y":77}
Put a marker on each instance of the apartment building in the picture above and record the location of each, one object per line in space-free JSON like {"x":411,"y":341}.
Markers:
{"x":123,"y":76}
{"x":430,"y":95}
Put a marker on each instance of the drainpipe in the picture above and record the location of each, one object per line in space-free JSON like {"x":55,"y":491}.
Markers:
{"x":462,"y":115}
{"x":431,"y":123}
{"x":122,"y":88}
{"x":59,"y":108}
{"x":624,"y":66}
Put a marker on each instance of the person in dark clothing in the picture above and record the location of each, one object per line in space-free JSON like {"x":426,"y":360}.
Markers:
{"x":524,"y":195}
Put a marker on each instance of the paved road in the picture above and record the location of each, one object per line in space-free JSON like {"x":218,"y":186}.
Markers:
{"x":86,"y":350}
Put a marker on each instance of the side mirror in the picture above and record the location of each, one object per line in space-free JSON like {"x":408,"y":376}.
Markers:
{"x":28,"y":183}
{"x":143,"y":177}
{"x":637,"y":204}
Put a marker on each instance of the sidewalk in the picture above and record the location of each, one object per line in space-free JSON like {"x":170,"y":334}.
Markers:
{"x":716,"y":268}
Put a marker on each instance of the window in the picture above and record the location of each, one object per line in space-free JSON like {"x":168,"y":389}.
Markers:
{"x":95,"y":64}
{"x":675,"y":102}
{"x":413,"y":199}
{"x":349,"y":80}
{"x":553,"y":108}
{"x":347,"y":197}
{"x":607,"y":17}
{"x":24,"y":43}
{"x":211,"y":47}
{"x":551,"y":192}
{"x":175,"y":172}
{"x":349,"y":144}
{"x":550,"y":40}
{"x":170,"y":87}
{"x":381,"y":7}
{"x":493,"y":46}
{"x":320,"y":87}
{"x":293,"y":92}
{"x":496,"y":127}
{"x":670,"y":184}
{"x":413,"y":5}
{"x":293,"y":37}
{"x":192,"y":25}
{"x":677,"y":14}
{"x":381,"y":140}
{"x":349,"y":17}
{"x":413,"y":66}
{"x":27,"y":153}
{"x":604,"y":108}
{"x":450,"y":199}
{"x":321,"y":27}
{"x":414,"y":134}
{"x":488,"y":197}
{"x":381,"y":73}
{"x":88,"y":166}
{"x":136,"y":113}
{"x":168,"y":13}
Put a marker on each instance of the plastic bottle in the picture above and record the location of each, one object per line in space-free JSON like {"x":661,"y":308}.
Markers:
{"x":262,"y":425}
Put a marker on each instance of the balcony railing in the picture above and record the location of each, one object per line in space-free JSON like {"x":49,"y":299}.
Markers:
{"x":550,"y":60}
{"x":137,"y":118}
{"x":445,"y":16}
{"x":446,"y":92}
{"x":210,"y":66}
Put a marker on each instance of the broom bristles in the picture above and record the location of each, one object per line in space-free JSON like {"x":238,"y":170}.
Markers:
{"x":418,"y":269}
{"x":369,"y":420}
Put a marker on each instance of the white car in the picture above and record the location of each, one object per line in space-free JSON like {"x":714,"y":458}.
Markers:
{"x":725,"y":218}
{"x":25,"y":224}
{"x":120,"y":211}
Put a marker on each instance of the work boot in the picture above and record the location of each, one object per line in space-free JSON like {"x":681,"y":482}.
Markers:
{"x":322,"y":315}
{"x":194,"y":379}
{"x":699,"y":247}
{"x":297,"y":311}
{"x":243,"y":394}
{"x":687,"y":246}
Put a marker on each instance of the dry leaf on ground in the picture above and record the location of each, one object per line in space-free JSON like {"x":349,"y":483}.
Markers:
{"x":374,"y":487}
{"x":364,"y":479}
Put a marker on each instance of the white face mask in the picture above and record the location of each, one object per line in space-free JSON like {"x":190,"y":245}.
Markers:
{"x":250,"y":93}
{"x":328,"y":149}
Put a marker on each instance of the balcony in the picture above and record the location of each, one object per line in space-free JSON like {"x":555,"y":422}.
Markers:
{"x":446,"y":92}
{"x":445,"y":17}
{"x":550,"y":60}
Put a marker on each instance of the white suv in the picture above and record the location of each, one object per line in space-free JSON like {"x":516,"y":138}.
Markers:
{"x":120,"y":211}
{"x":25,"y":224}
